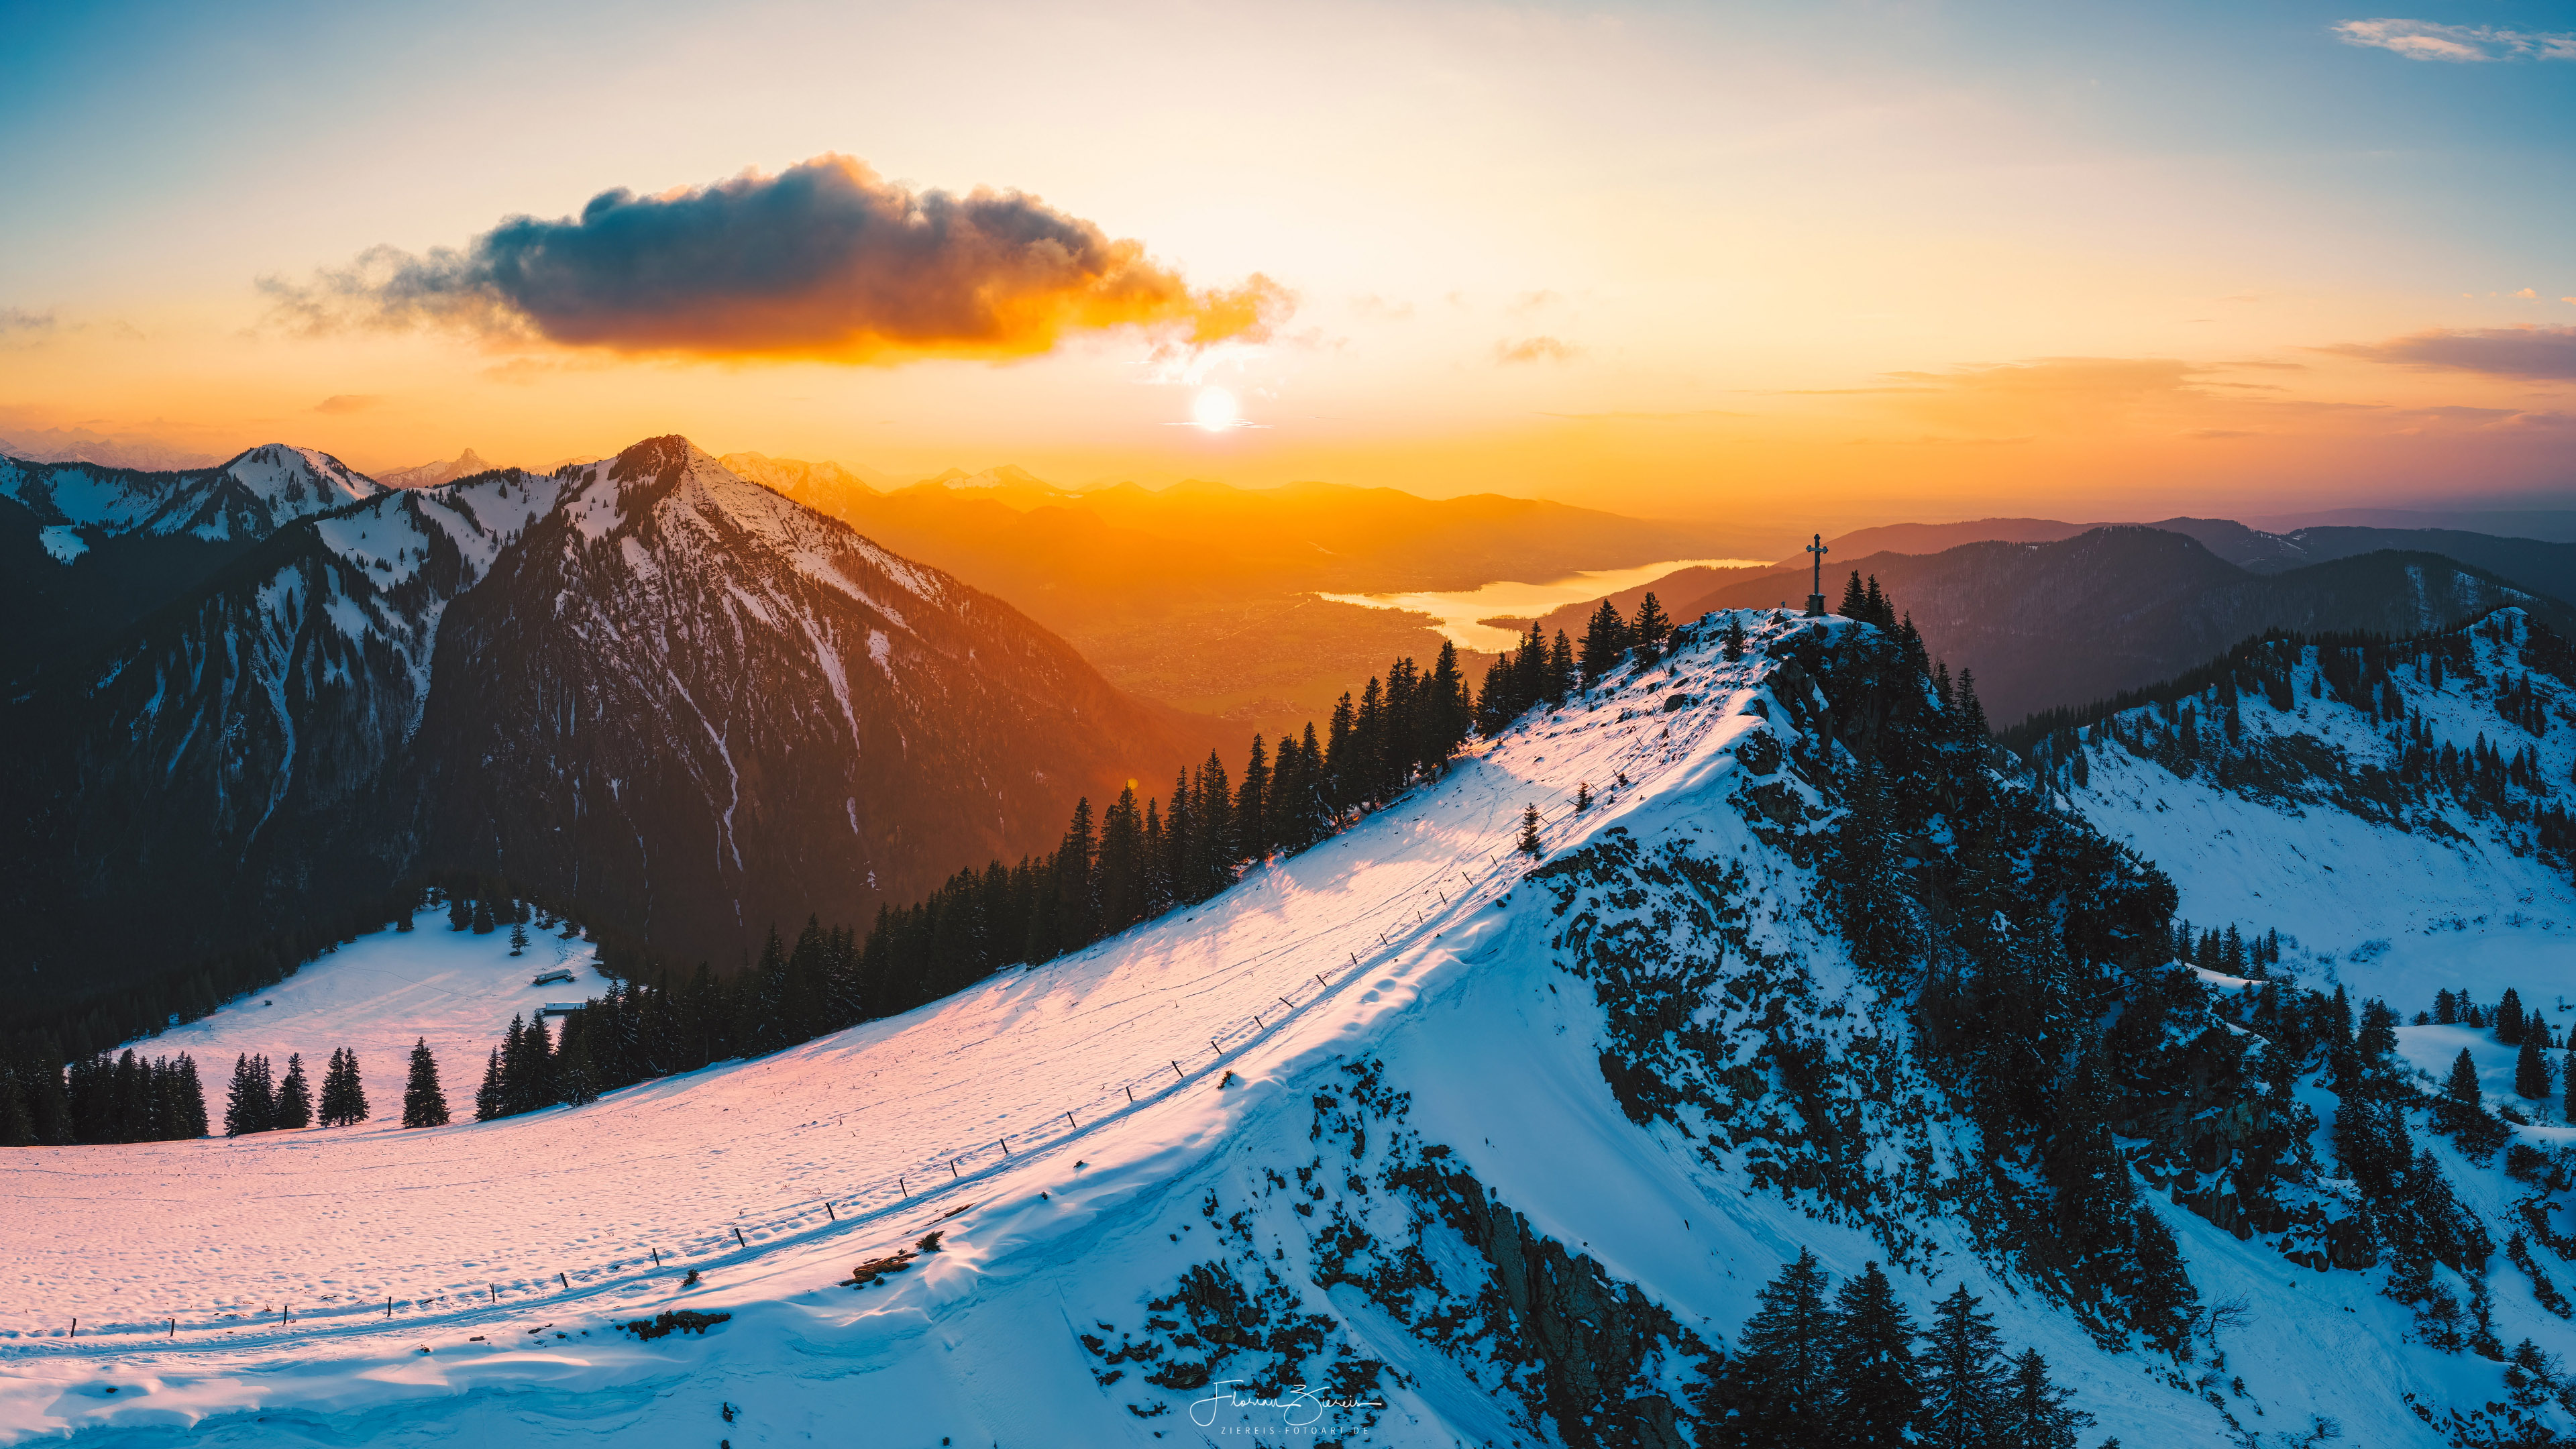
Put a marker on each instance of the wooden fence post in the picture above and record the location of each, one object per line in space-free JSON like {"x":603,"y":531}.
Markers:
{"x":737,"y":1237}
{"x":566,"y":1282}
{"x":827,"y":1210}
{"x":1130,"y":1091}
{"x":1069,"y":1122}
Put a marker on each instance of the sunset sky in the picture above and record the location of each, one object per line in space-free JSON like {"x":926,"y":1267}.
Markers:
{"x":1853,"y":262}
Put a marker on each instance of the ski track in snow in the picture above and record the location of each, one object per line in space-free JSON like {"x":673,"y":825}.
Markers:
{"x":1399,"y":918}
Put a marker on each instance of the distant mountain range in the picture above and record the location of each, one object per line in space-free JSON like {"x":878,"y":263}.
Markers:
{"x":650,"y":690}
{"x":1203,"y":596}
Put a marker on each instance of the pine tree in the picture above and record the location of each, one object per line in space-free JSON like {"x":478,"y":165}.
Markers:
{"x":1605,"y":639}
{"x":1119,"y":874}
{"x":249,"y":1104}
{"x":2567,"y":1076}
{"x":1651,"y":628}
{"x":2446,"y":1008}
{"x":2508,"y":1018}
{"x":460,"y":913}
{"x":1560,"y":669}
{"x":487,"y":1098}
{"x":483,"y":923}
{"x":576,"y":1074}
{"x":1855,"y":604}
{"x":1773,"y":1391}
{"x":424,"y":1104}
{"x":1877,"y":1394}
{"x":518,"y":938}
{"x":2463,"y":1086}
{"x":17,"y":1119}
{"x":2531,"y":1069}
{"x":1529,"y":830}
{"x":1962,"y":1378}
{"x":1734,"y":637}
{"x":2035,"y":1413}
{"x":294,"y":1108}
{"x":1582,"y":796}
{"x":1252,"y":824}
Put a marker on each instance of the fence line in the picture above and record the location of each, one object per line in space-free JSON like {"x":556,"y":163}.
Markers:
{"x":867,"y":1201}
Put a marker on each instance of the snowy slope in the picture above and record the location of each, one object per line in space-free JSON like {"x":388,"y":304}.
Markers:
{"x":377,"y":995}
{"x":2388,"y":894}
{"x":1346,"y":1125}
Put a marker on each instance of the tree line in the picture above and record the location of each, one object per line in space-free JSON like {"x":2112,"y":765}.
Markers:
{"x":1140,"y":858}
{"x":1855,"y":1369}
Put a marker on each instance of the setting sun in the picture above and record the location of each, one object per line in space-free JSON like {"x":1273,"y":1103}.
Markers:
{"x":1215,"y":410}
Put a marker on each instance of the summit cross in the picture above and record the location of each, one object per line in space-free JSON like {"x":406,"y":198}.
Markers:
{"x":1816,"y":591}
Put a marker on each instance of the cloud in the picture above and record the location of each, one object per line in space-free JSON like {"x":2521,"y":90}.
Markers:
{"x":348,"y":402}
{"x":15,"y":321}
{"x":2425,"y":40}
{"x":2534,"y":353}
{"x":825,"y":260}
{"x":1536,"y":349}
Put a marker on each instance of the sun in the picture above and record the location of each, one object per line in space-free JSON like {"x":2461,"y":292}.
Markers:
{"x":1215,"y":410}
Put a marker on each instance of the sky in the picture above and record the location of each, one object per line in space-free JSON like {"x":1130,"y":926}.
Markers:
{"x":1853,"y":262}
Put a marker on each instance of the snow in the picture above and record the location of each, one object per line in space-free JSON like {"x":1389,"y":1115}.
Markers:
{"x":2446,"y":900}
{"x":63,"y":541}
{"x":1409,"y":938}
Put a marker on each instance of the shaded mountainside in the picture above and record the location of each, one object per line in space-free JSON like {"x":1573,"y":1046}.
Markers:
{"x":643,"y":688}
{"x":87,"y":550}
{"x":1417,"y":1138}
{"x":2048,"y":625}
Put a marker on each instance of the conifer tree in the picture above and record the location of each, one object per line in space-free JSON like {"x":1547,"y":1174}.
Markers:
{"x":248,"y":1105}
{"x":1877,"y":1392}
{"x":1120,"y":871}
{"x":294,"y":1106}
{"x":1772,"y":1394}
{"x":188,"y":1111}
{"x":1252,"y":805}
{"x":1855,"y":604}
{"x":2508,"y":1018}
{"x":1962,"y":1388}
{"x":576,"y":1074}
{"x":1582,"y":796}
{"x":1529,"y":844}
{"x":483,"y":923}
{"x":487,"y":1098}
{"x":2531,"y":1069}
{"x":1605,"y":639}
{"x":1734,"y":636}
{"x":1447,"y":713}
{"x":2567,"y":1076}
{"x":1651,"y":628}
{"x":1560,"y":668}
{"x":2463,"y":1086}
{"x":2035,"y":1413}
{"x":17,"y":1119}
{"x":460,"y":912}
{"x":2446,"y":1008}
{"x":518,"y":938}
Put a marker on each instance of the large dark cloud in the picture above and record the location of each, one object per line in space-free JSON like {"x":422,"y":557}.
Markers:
{"x":2534,"y":353}
{"x":826,"y":259}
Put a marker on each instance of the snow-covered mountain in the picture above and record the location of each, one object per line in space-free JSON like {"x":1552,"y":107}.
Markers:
{"x":1412,"y":1139}
{"x":642,"y":687}
{"x":86,"y":550}
{"x":435,"y":471}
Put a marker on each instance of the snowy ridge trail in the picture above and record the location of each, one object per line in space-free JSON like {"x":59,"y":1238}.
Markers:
{"x":1441,"y":1147}
{"x":1235,"y":984}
